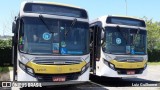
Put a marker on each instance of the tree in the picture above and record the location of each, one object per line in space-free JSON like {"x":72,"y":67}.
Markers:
{"x":5,"y":44}
{"x":153,"y":37}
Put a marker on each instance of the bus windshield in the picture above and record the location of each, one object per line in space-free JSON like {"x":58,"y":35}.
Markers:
{"x":125,"y":41}
{"x":35,"y":38}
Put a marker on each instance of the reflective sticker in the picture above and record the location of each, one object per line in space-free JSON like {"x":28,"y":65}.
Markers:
{"x":63,"y":44}
{"x":62,"y":28}
{"x":132,"y":51}
{"x":55,"y":34}
{"x":56,"y":37}
{"x":128,"y":49}
{"x":63,"y":50}
{"x":55,"y":47}
{"x":75,"y":42}
{"x":118,"y":40}
{"x":46,"y":36}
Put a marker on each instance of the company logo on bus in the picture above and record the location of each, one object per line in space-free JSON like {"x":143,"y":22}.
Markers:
{"x":59,"y":69}
{"x":58,"y":62}
{"x":130,"y":60}
{"x":41,"y":70}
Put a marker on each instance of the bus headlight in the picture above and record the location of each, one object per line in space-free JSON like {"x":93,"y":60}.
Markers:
{"x":22,"y":66}
{"x":87,"y":59}
{"x":24,"y":59}
{"x":105,"y":62}
{"x":145,"y":66}
{"x":109,"y":64}
{"x":84,"y":68}
{"x":26,"y":69}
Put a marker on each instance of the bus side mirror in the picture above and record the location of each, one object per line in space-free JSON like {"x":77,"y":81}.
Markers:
{"x":102,"y":33}
{"x":14,"y":27}
{"x":102,"y":36}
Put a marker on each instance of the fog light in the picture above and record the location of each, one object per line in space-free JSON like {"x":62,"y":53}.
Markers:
{"x":26,"y":69}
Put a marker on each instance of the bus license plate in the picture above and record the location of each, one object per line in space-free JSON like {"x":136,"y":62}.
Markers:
{"x":130,"y":72}
{"x":59,"y":79}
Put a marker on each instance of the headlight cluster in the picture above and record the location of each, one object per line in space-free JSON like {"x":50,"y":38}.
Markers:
{"x":84,"y":68}
{"x":109,"y":64}
{"x":145,"y":66}
{"x":27,"y":69}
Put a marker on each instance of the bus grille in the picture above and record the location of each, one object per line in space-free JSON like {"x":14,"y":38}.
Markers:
{"x":48,"y":77}
{"x":129,"y":59}
{"x":57,"y":62}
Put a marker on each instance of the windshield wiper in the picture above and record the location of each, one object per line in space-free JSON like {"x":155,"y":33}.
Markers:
{"x":73,"y":23}
{"x":138,"y":30}
{"x":118,"y":28}
{"x":43,"y":21}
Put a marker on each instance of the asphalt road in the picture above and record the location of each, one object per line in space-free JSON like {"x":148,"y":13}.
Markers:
{"x":104,"y":83}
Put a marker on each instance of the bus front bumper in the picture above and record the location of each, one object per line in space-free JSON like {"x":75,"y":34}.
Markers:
{"x":23,"y":76}
{"x":108,"y":72}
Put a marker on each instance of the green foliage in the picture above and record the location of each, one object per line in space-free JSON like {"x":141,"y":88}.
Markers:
{"x":153,"y":37}
{"x":153,"y":63}
{"x":153,"y":56}
{"x":5,"y":44}
{"x":153,"y":40}
{"x":4,"y":69}
{"x":5,"y":52}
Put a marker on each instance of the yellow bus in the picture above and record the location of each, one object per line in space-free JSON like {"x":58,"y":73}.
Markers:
{"x":118,"y":46}
{"x":51,"y":43}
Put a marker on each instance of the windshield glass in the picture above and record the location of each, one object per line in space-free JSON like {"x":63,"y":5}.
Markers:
{"x":120,"y":40}
{"x":35,"y":38}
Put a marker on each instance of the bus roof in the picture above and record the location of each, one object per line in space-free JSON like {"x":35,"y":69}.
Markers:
{"x":125,"y":16}
{"x":102,"y":18}
{"x":33,"y":8}
{"x":52,"y":3}
{"x":121,"y":20}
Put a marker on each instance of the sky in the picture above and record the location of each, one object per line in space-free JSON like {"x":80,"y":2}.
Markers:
{"x":95,"y":8}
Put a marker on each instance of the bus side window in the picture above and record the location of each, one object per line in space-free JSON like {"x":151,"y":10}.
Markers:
{"x":98,"y":31}
{"x":21,"y":36}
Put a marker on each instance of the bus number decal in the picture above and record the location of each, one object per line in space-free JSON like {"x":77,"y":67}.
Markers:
{"x":55,"y":48}
{"x":46,"y":36}
{"x":63,"y":44}
{"x":63,"y":50}
{"x":118,"y":40}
